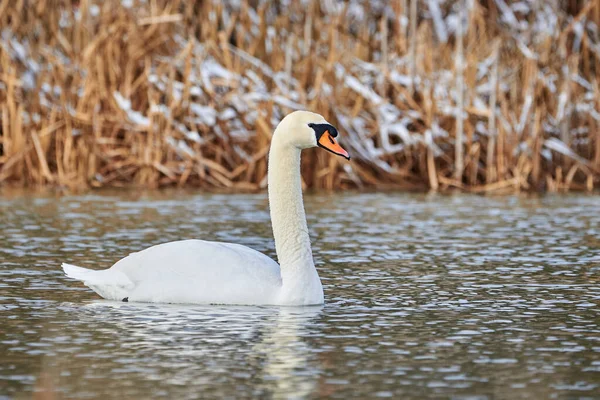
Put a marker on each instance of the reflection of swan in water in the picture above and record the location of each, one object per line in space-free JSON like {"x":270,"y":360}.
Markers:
{"x":287,"y":352}
{"x":210,"y":346}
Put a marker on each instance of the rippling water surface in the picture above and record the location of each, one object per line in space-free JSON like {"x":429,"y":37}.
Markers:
{"x":426,"y":296}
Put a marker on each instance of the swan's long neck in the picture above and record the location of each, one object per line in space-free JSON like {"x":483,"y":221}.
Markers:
{"x":300,"y":279}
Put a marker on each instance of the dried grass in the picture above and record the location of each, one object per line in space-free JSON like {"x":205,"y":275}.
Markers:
{"x":172,"y":92}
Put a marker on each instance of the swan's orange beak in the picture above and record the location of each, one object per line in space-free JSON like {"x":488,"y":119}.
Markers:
{"x":329,"y":143}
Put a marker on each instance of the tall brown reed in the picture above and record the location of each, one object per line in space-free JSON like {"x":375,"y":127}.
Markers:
{"x":172,"y":92}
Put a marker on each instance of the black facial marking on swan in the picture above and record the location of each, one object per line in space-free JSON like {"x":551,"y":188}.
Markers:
{"x":320,"y":129}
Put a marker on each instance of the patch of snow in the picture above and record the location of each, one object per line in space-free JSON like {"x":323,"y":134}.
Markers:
{"x":134,"y":116}
{"x":207,"y":115}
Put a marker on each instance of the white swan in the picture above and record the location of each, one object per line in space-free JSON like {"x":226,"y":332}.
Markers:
{"x":202,"y":272}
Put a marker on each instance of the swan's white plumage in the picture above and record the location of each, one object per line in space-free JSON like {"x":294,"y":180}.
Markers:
{"x":109,"y":283}
{"x":202,"y":272}
{"x":188,"y":271}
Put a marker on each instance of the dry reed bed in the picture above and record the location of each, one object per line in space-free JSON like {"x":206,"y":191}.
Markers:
{"x":154,"y":93}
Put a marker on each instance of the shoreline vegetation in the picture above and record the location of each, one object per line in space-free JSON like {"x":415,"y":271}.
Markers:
{"x":164,"y":93}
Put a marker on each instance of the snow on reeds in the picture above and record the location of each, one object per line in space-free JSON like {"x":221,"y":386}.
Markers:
{"x":479,"y":95}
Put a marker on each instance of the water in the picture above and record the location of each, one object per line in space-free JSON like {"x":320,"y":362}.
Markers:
{"x":460,"y":296}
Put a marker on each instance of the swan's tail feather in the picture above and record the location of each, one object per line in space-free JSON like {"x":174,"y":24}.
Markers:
{"x":109,"y":283}
{"x":75,"y":272}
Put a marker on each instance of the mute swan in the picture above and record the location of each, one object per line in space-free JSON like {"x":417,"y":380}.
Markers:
{"x":202,"y":272}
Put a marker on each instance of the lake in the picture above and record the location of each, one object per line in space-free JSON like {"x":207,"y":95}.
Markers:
{"x":426,"y":296}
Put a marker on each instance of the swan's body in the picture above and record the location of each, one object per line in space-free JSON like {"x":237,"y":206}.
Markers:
{"x":188,"y":271}
{"x":202,"y":272}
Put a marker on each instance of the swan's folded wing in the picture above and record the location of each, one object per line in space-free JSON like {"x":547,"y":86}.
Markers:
{"x":196,"y":271}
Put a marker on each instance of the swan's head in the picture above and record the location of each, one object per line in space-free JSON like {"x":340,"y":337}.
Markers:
{"x":305,"y":129}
